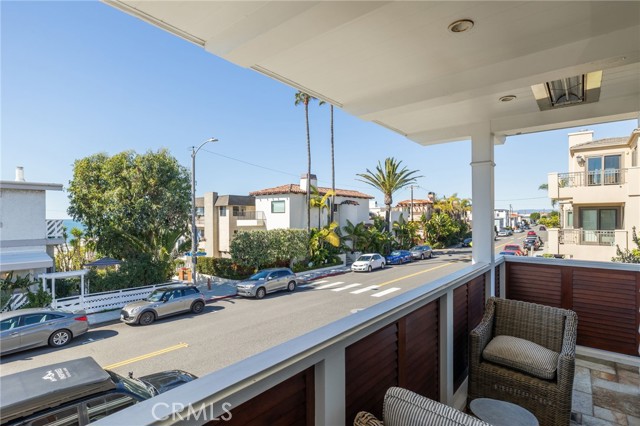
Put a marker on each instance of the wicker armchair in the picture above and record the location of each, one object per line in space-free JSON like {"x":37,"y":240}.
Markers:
{"x":524,"y":353}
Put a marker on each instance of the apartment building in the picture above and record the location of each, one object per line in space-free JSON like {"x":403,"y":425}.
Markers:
{"x":598,"y":198}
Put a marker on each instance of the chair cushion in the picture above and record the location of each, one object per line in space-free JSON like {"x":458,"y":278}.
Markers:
{"x":402,"y":407}
{"x":522,"y":355}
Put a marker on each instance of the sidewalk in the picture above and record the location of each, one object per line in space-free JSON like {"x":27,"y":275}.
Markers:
{"x":222,"y":288}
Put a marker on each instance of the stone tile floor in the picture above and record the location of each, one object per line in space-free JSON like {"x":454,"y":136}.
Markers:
{"x":605,"y":393}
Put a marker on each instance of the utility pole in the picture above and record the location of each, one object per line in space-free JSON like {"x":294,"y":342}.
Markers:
{"x":510,"y":215}
{"x":194,"y":229}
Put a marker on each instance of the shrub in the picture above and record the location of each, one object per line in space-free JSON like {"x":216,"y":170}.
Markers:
{"x":224,"y":268}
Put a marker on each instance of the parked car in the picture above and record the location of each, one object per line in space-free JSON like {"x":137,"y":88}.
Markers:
{"x":542,"y":228}
{"x":368,"y":262}
{"x":163,"y":302}
{"x":77,"y":392}
{"x":398,"y":257}
{"x":509,"y":253}
{"x":30,"y":328}
{"x":422,"y":252}
{"x":519,"y":230}
{"x":531,"y":233}
{"x":467,"y":242}
{"x":267,"y":281}
{"x":504,"y":232}
{"x":532,"y":243}
{"x":515,"y":248}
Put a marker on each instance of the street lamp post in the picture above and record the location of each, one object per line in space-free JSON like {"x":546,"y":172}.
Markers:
{"x":194,"y":229}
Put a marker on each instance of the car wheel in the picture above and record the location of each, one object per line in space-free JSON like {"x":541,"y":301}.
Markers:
{"x":369,"y":269}
{"x":261,"y":293}
{"x":422,"y":256}
{"x":430,"y":255}
{"x":60,"y":338}
{"x":382,"y":265}
{"x":146,"y":318}
{"x":197,"y":307}
{"x":291,"y":286}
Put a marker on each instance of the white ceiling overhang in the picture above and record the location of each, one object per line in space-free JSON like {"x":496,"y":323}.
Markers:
{"x":397,"y":64}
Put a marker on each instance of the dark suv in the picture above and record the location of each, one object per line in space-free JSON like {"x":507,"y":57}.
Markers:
{"x":77,"y":392}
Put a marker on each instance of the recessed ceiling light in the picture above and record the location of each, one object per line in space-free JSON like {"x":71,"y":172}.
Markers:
{"x":507,"y":98}
{"x":461,"y":26}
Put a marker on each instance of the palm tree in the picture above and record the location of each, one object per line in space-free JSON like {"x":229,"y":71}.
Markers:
{"x":333,"y":169}
{"x":389,"y":179}
{"x":305,"y":99}
{"x":354,"y":233}
{"x":545,"y":187}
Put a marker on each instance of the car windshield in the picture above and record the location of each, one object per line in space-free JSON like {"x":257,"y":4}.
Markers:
{"x":155,"y":296}
{"x":396,"y":253}
{"x":134,"y":386}
{"x":416,"y":248}
{"x":364,"y":259}
{"x":259,"y":275}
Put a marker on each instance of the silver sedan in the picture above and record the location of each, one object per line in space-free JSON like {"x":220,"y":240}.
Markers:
{"x":30,"y":328}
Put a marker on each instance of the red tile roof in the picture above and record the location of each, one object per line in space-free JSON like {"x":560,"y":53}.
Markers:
{"x":293,"y":188}
{"x":415,"y":202}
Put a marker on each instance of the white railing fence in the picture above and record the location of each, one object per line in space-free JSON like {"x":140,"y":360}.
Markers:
{"x":106,"y":301}
{"x":54,"y":228}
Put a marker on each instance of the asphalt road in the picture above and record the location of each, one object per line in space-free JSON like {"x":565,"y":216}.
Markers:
{"x":233,"y":329}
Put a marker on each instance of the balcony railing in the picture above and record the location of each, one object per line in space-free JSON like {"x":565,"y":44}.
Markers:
{"x":55,"y":228}
{"x":592,"y":178}
{"x":587,"y":237}
{"x":417,"y":340}
{"x":250,"y":215}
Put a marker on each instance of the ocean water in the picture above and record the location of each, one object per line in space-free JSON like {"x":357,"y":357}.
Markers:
{"x":70,"y":224}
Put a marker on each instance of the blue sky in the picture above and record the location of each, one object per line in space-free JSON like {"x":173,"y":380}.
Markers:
{"x":81,"y":77}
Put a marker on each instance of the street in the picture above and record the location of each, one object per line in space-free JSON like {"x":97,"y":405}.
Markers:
{"x":233,"y":329}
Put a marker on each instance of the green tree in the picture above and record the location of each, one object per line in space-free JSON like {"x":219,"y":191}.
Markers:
{"x":305,"y":99}
{"x":135,"y":206}
{"x":389,"y":179}
{"x":319,"y":239}
{"x":442,"y":230}
{"x":74,"y":252}
{"x":320,"y":202}
{"x":629,"y":256}
{"x":354,"y":233}
{"x":269,"y":248}
{"x":535,"y":216}
{"x":406,"y":233}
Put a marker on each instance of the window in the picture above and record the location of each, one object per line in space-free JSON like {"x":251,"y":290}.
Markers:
{"x":199,"y":211}
{"x":9,"y":323}
{"x":101,"y":407}
{"x":33,"y":319}
{"x":239,"y":210}
{"x":277,"y":206}
{"x":223,"y":210}
{"x":604,"y":170}
{"x":190,"y":290}
{"x":569,"y":220}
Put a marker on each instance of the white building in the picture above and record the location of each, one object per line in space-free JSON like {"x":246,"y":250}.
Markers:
{"x":27,"y":238}
{"x":284,"y":206}
{"x":598,"y":198}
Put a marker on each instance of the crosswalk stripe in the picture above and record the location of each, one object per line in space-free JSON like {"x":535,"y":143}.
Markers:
{"x":322,"y":287}
{"x":312,"y":283}
{"x":346,"y":287}
{"x":362,"y":290}
{"x":387,"y":291}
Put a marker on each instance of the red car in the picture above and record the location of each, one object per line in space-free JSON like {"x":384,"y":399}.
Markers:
{"x":531,"y":233}
{"x":515,"y":248}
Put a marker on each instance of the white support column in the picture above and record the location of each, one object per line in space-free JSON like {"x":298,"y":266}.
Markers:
{"x":330,"y":380}
{"x":446,"y":348}
{"x":82,"y":291}
{"x":482,"y":194}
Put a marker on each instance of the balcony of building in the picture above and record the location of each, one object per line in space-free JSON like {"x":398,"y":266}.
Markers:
{"x":250,"y":218}
{"x":605,"y":186}
{"x":587,"y":244}
{"x":419,"y":340}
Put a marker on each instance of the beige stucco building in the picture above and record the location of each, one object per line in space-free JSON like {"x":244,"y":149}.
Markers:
{"x":598,"y":198}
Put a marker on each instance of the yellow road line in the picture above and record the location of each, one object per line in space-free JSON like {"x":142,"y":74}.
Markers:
{"x":414,"y":274}
{"x":146,"y":356}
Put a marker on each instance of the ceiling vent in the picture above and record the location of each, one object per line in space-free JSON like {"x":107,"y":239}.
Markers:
{"x":569,"y":91}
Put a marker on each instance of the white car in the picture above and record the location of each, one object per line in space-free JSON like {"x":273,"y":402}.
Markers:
{"x":368,"y":262}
